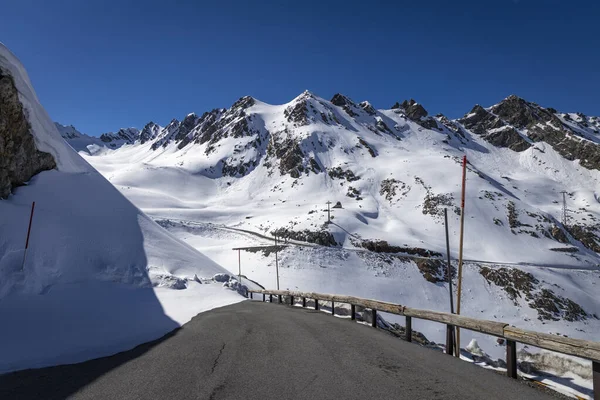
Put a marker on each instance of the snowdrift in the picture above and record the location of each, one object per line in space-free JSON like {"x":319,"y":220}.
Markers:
{"x":99,"y":274}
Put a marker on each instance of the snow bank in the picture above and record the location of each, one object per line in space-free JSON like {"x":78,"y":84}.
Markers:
{"x":98,"y":271}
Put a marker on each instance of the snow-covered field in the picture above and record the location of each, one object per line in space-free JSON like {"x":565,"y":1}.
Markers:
{"x":100,"y":276}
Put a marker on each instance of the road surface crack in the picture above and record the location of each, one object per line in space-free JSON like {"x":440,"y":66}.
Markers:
{"x":217,"y":359}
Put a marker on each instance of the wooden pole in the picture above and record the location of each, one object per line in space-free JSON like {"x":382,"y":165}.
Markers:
{"x":28,"y":233}
{"x":239,"y":266}
{"x":596,"y":379}
{"x":408,"y":329}
{"x":460,"y":250}
{"x":511,"y":359}
{"x":450,"y":336}
{"x":328,"y":212}
{"x":352,"y":312}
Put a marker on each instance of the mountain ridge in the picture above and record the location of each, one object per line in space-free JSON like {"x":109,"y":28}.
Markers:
{"x":339,"y":147}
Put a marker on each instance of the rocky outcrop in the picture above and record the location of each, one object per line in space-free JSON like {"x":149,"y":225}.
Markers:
{"x":367,"y":107}
{"x":523,"y":285}
{"x":412,"y":109}
{"x":586,"y":235}
{"x":322,"y":237}
{"x":543,"y":125}
{"x":382,"y":246}
{"x":149,"y":132}
{"x":19,"y":158}
{"x":297,"y":113}
{"x":342,"y":101}
{"x":416,"y":112}
{"x":493,"y":129}
{"x":123,"y":136}
{"x":434,"y":270}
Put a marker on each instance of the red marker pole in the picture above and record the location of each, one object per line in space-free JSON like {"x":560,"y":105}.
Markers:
{"x":28,"y":234}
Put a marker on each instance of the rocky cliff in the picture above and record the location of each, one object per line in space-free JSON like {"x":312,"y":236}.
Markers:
{"x":19,"y":157}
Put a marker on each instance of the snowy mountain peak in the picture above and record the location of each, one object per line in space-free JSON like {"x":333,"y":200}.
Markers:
{"x":68,"y":132}
{"x":412,"y":109}
{"x":244,"y":102}
{"x":123,"y":136}
{"x":340,"y":100}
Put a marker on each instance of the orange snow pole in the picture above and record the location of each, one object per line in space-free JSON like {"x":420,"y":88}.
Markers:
{"x":460,"y":251}
{"x":28,"y":233}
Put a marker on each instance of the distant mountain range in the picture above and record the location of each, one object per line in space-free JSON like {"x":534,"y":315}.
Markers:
{"x":522,"y":156}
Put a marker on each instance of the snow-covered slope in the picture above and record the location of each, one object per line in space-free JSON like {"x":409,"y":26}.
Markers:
{"x":99,"y":275}
{"x":392,"y":170}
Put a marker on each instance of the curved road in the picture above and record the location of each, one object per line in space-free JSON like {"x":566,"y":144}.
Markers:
{"x":255,"y":350}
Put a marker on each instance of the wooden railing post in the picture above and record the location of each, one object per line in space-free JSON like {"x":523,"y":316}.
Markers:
{"x":280,"y":299}
{"x":596,"y":379}
{"x":511,"y":359}
{"x":352,"y":312}
{"x":316,"y":304}
{"x":374,"y":321}
{"x":332,"y":308}
{"x":449,"y":339}
{"x":408,"y":329}
{"x":270,"y":298}
{"x":292,"y":301}
{"x":251,"y":296}
{"x":264,"y":297}
{"x":304,"y":302}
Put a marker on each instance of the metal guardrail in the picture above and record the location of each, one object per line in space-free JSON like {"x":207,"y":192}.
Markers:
{"x":576,"y":347}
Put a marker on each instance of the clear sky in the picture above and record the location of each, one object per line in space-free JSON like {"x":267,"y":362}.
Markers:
{"x":102,"y":65}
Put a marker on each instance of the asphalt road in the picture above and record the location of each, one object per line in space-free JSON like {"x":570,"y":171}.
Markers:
{"x":255,"y":350}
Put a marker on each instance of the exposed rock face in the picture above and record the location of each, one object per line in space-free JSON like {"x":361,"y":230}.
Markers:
{"x":322,"y":237}
{"x":586,"y":235}
{"x":523,"y":285}
{"x":290,"y":155}
{"x":493,"y":129}
{"x":416,"y":112}
{"x":367,"y":107}
{"x":123,"y":136}
{"x":149,"y":132}
{"x":413,"y":110}
{"x":297,"y":113}
{"x":342,"y":101}
{"x":382,"y":246}
{"x":542,"y":124}
{"x":19,"y":158}
{"x":434,"y":270}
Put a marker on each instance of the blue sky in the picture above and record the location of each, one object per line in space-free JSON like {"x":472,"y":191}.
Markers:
{"x":102,"y":65}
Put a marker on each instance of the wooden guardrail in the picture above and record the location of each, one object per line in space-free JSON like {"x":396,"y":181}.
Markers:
{"x":575,"y":347}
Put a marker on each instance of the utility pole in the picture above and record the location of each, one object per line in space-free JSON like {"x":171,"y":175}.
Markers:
{"x":328,"y":212}
{"x":460,"y":250}
{"x":564,"y":210}
{"x":276,"y":263}
{"x":450,"y":336}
